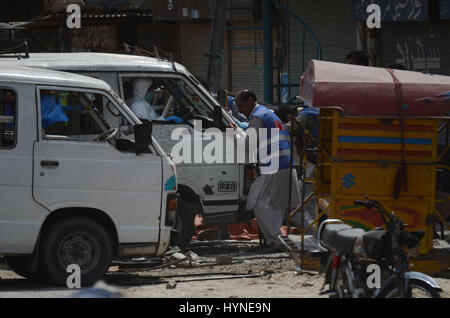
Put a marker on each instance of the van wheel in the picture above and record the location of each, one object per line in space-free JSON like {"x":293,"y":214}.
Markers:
{"x":75,"y":240}
{"x":24,"y":266}
{"x":184,"y":227}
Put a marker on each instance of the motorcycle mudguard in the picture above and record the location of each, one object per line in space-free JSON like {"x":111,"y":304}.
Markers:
{"x":424,"y":278}
{"x":408,"y":275}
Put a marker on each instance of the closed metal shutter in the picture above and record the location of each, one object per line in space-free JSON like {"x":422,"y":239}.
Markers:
{"x":247,"y":64}
{"x":334,"y":26}
{"x":194,"y":45}
{"x":421,"y":47}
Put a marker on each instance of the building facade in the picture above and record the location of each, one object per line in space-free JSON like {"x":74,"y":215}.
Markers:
{"x":414,"y":35}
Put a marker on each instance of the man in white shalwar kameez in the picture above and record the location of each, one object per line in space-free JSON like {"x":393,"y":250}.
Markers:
{"x":269,"y":194}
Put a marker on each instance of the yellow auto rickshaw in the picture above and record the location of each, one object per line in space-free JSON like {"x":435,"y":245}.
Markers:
{"x":378,"y":137}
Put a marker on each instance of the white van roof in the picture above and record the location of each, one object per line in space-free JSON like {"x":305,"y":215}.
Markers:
{"x":95,"y":62}
{"x":49,"y":77}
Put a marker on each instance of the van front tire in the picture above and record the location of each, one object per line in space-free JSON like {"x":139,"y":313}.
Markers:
{"x":75,"y":240}
{"x":184,"y":227}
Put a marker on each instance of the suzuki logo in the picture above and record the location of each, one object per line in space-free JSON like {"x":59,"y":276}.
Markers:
{"x":349,"y":181}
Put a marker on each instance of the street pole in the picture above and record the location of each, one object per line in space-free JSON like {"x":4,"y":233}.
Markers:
{"x":215,"y":47}
{"x":268,"y":51}
{"x":215,"y":66}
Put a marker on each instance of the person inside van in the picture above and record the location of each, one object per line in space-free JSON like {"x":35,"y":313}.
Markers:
{"x":139,"y":105}
{"x":142,"y":99}
{"x":51,"y":109}
{"x":155,"y":97}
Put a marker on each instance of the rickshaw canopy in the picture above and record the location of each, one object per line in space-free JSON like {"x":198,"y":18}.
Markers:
{"x":362,"y":91}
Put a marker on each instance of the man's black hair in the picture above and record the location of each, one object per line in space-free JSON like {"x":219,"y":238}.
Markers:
{"x":359,"y":57}
{"x":284,"y":111}
{"x":246,"y":95}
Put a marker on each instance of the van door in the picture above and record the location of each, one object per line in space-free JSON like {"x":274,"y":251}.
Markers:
{"x":19,"y":213}
{"x":177,"y":105}
{"x":77,"y":166}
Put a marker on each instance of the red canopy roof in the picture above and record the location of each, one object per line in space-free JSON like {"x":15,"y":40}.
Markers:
{"x":363,"y":91}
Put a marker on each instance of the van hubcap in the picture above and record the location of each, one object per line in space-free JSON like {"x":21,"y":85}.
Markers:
{"x":79,"y":249}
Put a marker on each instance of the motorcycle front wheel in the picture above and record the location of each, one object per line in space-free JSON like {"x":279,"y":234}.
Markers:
{"x":418,"y":288}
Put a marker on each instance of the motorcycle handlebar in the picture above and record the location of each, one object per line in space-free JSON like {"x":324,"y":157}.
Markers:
{"x":375,"y":204}
{"x":368,"y":204}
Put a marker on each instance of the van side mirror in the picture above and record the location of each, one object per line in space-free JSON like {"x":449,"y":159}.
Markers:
{"x":143,"y":137}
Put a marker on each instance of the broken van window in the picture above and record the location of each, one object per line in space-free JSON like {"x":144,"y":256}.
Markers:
{"x":8,"y":109}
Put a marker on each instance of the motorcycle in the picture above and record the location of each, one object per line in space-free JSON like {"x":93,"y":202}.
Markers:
{"x":372,"y":264}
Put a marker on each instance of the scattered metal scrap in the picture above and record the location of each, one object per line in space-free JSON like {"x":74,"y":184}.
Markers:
{"x":132,"y":272}
{"x":222,"y":244}
{"x":299,"y":248}
{"x":136,"y":280}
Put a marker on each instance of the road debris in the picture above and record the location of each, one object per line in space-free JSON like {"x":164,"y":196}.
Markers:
{"x":171,"y":284}
{"x":177,"y":257}
{"x":137,"y":280}
{"x":113,"y":269}
{"x":224,"y":260}
{"x":193,"y":258}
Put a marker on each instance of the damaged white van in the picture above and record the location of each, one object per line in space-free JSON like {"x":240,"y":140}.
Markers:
{"x":74,"y":190}
{"x":218,"y":191}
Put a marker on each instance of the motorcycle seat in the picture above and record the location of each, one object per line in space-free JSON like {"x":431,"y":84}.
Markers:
{"x":330,"y":232}
{"x":345,"y":240}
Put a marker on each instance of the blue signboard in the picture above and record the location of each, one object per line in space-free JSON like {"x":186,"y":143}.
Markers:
{"x":418,"y":47}
{"x":444,"y":8}
{"x":393,"y":10}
